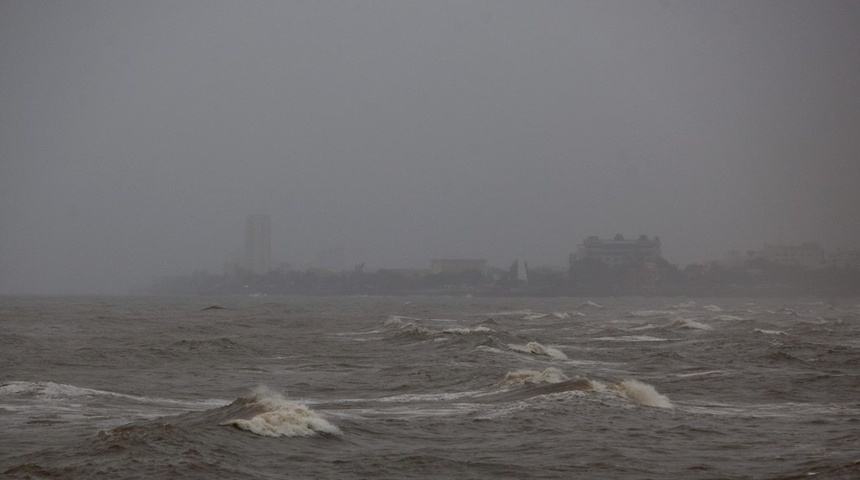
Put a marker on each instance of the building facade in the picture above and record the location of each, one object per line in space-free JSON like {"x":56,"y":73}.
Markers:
{"x":619,"y":250}
{"x":258,"y":246}
{"x":844,"y":258}
{"x":808,"y":255}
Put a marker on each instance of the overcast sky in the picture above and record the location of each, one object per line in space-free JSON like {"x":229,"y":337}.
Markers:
{"x":135,"y":136}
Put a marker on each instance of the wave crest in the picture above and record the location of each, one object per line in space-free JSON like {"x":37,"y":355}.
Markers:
{"x":523,"y":377}
{"x":468,"y":330}
{"x":536,"y":348}
{"x":283,"y":418}
{"x":409,"y":326}
{"x":642,"y":393}
{"x":649,"y":313}
{"x":691,"y":324}
{"x":769,"y":332}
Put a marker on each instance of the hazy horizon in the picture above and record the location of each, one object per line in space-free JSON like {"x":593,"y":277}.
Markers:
{"x":135,"y":137}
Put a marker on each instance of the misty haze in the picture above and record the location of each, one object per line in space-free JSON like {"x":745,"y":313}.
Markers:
{"x":135,"y":138}
{"x":402,"y":239}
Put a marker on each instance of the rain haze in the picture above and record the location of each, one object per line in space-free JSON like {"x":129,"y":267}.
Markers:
{"x":135,"y":137}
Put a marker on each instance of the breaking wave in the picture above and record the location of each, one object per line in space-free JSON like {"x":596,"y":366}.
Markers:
{"x":632,"y":338}
{"x":684,"y":305}
{"x":552,"y":380}
{"x":282,"y":418}
{"x":641,"y":393}
{"x":558,"y":315}
{"x":51,"y":390}
{"x":405,"y":325}
{"x":408,"y":325}
{"x":649,"y":313}
{"x":524,"y":377}
{"x":769,"y":332}
{"x":590,"y":304}
{"x":536,"y":348}
{"x":466,"y":331}
{"x":691,"y":324}
{"x":63,"y":392}
{"x":528,"y":314}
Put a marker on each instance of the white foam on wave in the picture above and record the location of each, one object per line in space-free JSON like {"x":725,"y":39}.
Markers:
{"x":523,"y":377}
{"x":642,"y":393}
{"x":712,"y":308}
{"x":728,"y":318}
{"x":649,"y":313}
{"x":783,"y":311}
{"x":590,"y":304}
{"x":528,"y":314}
{"x":486,"y":348}
{"x":55,"y":390}
{"x":406,"y":324}
{"x":701,"y":374}
{"x":466,"y":331}
{"x":769,"y":332}
{"x":633,"y":338}
{"x":283,"y":418}
{"x":692,"y":324}
{"x":64,"y":392}
{"x":398,"y":321}
{"x":503,"y":313}
{"x":558,"y":315}
{"x":426,"y":397}
{"x":592,"y":363}
{"x":536,"y":348}
{"x":647,"y":326}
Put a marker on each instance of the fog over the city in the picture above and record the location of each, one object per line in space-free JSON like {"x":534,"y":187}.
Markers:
{"x":135,"y":137}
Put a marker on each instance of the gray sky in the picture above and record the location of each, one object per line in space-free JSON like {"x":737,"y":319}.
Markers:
{"x":136,"y":136}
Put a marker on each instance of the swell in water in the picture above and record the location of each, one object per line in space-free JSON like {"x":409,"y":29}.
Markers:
{"x":430,"y":388}
{"x":274,"y":416}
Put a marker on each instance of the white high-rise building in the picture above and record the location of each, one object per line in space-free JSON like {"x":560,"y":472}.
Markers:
{"x":619,"y":251}
{"x":258,"y":247}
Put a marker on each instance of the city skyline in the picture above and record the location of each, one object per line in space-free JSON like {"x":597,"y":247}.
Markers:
{"x":615,"y":250}
{"x":136,"y":136}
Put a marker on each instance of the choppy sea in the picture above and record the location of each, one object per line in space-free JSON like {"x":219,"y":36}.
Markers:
{"x":429,"y":387}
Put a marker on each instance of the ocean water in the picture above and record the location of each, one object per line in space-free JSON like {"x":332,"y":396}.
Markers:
{"x":283,"y":387}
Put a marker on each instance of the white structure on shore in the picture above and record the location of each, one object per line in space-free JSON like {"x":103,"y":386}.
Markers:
{"x":808,"y":255}
{"x":618,"y":251}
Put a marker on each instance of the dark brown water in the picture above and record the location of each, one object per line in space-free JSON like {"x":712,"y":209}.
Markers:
{"x":280,"y":387}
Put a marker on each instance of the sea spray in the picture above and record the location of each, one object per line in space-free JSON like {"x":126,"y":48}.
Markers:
{"x":642,"y":393}
{"x":283,"y":418}
{"x":467,"y":330}
{"x":536,"y":348}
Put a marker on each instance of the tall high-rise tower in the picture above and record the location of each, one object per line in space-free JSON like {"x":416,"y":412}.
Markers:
{"x":258,"y":248}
